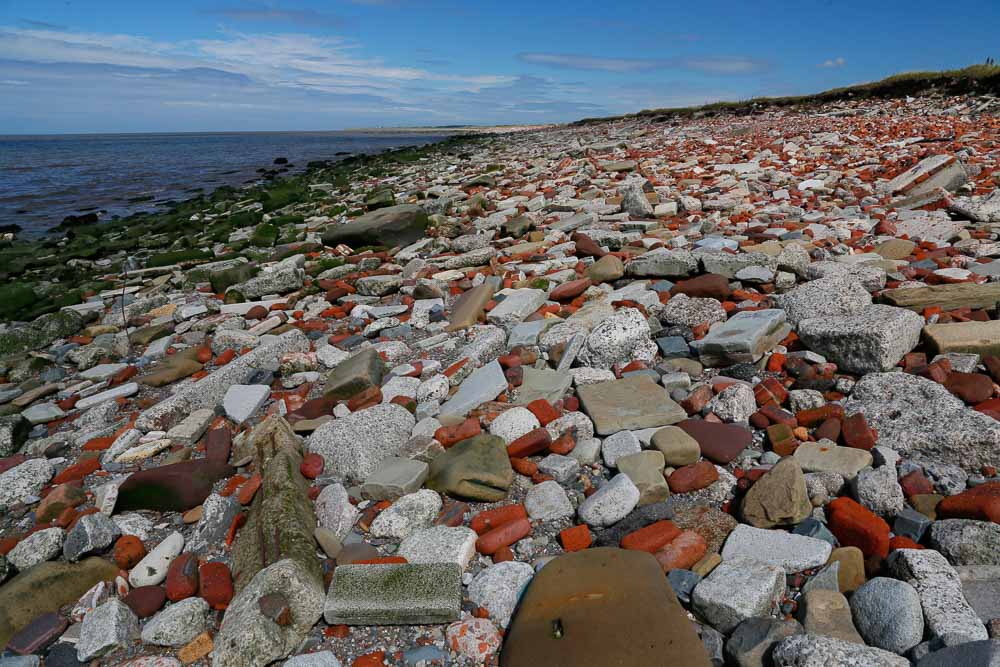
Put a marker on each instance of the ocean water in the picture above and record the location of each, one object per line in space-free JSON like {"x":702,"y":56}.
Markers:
{"x":45,"y":178}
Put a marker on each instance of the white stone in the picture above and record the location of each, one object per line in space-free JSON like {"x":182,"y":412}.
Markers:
{"x":152,"y":569}
{"x":243,"y":400}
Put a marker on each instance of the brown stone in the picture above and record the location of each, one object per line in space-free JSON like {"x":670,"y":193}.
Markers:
{"x":275,"y":607}
{"x":145,"y":601}
{"x":580,"y":600}
{"x":851,"y":571}
{"x":570,"y":290}
{"x":970,"y":387}
{"x":827,"y":613}
{"x":708,"y":286}
{"x":693,"y":477}
{"x":470,"y":307}
{"x":927,"y":504}
{"x":720,"y":443}
{"x":196,"y":649}
{"x":711,"y":523}
{"x":779,"y":498}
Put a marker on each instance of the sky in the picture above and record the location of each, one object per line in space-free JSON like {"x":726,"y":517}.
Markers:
{"x":72,"y":66}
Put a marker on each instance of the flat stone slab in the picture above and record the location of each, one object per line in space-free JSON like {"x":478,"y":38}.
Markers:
{"x":936,"y":171}
{"x":404,"y":594}
{"x":791,"y":552}
{"x":121,"y":391}
{"x":973,"y":337}
{"x":395,"y":477}
{"x":824,"y":456}
{"x":243,"y":400}
{"x":611,"y":607}
{"x":632,"y":403}
{"x":949,"y":297}
{"x":483,"y":384}
{"x":543,"y":383}
{"x":102,"y":372}
{"x":743,"y":338}
{"x":516,"y":305}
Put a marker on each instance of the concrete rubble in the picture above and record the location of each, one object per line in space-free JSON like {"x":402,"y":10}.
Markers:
{"x":742,"y":368}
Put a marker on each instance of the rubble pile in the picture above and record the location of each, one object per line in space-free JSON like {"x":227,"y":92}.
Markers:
{"x":720,"y":390}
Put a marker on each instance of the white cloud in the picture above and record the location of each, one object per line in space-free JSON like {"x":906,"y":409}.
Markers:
{"x":583,"y":62}
{"x":831,"y":63}
{"x":727,"y":65}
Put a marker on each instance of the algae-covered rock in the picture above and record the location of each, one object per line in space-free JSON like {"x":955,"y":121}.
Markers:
{"x":40,"y":333}
{"x":45,"y":588}
{"x":281,"y":521}
{"x":477,"y":468}
{"x":391,"y":226}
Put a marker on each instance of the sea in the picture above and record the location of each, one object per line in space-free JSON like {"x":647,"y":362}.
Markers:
{"x":44,"y":178}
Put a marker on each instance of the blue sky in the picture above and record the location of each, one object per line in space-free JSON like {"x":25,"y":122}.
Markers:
{"x":207,"y":65}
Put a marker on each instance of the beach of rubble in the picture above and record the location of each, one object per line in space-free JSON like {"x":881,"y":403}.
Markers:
{"x":706,"y":390}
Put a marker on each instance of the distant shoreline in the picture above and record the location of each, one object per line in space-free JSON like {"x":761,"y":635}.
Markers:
{"x":450,"y":129}
{"x":442,"y":130}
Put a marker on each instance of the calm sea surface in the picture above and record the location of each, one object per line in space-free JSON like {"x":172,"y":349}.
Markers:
{"x":45,"y":178}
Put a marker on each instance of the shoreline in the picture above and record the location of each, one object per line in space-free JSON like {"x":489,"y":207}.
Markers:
{"x":89,"y":249}
{"x":243,"y":176}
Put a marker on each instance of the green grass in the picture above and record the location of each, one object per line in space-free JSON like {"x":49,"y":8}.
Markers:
{"x":973,"y":79}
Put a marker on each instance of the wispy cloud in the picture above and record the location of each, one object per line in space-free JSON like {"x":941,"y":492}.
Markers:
{"x":266,"y":13}
{"x":831,"y":63}
{"x":41,"y":25}
{"x":572,"y":61}
{"x":724,"y":65}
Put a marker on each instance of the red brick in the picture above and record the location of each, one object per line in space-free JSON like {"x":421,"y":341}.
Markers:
{"x":533,"y":442}
{"x":682,"y":552}
{"x":693,"y":477}
{"x":487,"y":520}
{"x":543,"y":411}
{"x":651,"y":538}
{"x":129,"y":550}
{"x":503,"y":535}
{"x":182,"y":577}
{"x":78,"y":471}
{"x":450,"y":435}
{"x":981,"y":502}
{"x":813,"y":416}
{"x":857,"y":433}
{"x":576,"y":538}
{"x":215,"y":584}
{"x":915,"y":484}
{"x":856,"y":526}
{"x":312,"y":465}
{"x":829,"y":430}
